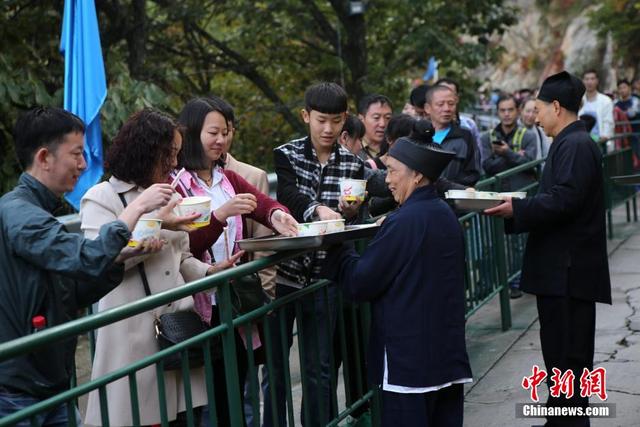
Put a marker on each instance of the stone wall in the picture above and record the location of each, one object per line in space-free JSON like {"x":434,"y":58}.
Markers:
{"x":549,"y":36}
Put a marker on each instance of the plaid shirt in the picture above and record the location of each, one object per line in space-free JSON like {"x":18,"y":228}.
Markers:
{"x":303,"y":185}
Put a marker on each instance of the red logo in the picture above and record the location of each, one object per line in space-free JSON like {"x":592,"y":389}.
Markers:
{"x":534,"y":381}
{"x":591,"y":383}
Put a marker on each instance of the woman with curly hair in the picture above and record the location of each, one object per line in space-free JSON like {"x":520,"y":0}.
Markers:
{"x":141,"y":155}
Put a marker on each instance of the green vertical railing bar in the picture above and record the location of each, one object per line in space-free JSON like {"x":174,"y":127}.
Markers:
{"x":356,"y":348}
{"x":104,"y":406}
{"x":343,"y":347}
{"x":71,"y":414}
{"x":301,"y":352}
{"x":284,"y":347}
{"x":270,"y":350}
{"x":333,"y":387}
{"x":229,"y":350}
{"x":186,"y":381}
{"x":135,"y":404}
{"x":499,"y":247}
{"x":316,"y":364}
{"x":162,"y":394}
{"x":208,"y":375}
{"x":252,"y":372}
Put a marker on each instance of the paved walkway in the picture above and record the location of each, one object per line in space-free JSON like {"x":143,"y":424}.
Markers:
{"x":501,"y":359}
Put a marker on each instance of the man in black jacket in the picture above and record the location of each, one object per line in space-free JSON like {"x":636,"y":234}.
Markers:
{"x":47,"y":273}
{"x":565,"y":262}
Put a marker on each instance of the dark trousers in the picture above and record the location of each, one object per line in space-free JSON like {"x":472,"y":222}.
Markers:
{"x":567,"y":335}
{"x":353,"y":329}
{"x":220,"y":381}
{"x":442,"y":408}
{"x":315,"y":327}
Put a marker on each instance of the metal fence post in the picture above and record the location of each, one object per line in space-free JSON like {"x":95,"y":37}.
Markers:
{"x":236,"y":414}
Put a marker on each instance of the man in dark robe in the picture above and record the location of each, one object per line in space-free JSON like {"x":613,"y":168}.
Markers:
{"x":565,"y":262}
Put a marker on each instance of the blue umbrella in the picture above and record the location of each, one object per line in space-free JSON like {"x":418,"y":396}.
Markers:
{"x":85,"y":86}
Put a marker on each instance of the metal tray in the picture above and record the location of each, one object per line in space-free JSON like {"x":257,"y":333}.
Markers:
{"x":626,"y":179}
{"x":470,"y":201}
{"x":476,"y":205}
{"x":281,"y":243}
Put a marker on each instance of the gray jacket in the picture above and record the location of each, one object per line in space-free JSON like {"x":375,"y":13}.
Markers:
{"x":45,"y":270}
{"x":522,"y":149}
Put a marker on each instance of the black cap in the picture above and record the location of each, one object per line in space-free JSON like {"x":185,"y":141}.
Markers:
{"x":565,"y":88}
{"x":426,"y":159}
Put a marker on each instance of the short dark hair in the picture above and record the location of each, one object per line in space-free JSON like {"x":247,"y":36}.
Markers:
{"x":623,"y":81}
{"x":447,"y":81}
{"x":326,"y":97}
{"x":506,"y":97}
{"x":191,"y":119}
{"x":432,"y":90}
{"x":144,"y":142}
{"x":591,"y":71}
{"x":42,"y":127}
{"x":373,"y":98}
{"x":417,"y":96}
{"x":354,"y":127}
{"x":399,"y":125}
{"x":589,"y":121}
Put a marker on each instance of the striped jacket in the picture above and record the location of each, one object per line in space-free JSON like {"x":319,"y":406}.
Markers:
{"x":303,"y":185}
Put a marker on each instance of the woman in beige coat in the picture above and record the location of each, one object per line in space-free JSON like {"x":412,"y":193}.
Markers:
{"x":143,"y":153}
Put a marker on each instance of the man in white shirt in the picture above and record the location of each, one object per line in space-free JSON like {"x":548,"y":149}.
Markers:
{"x":598,"y":105}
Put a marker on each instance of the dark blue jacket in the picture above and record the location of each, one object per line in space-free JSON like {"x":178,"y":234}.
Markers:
{"x":413,"y":274}
{"x":45,"y":270}
{"x":566,"y":253}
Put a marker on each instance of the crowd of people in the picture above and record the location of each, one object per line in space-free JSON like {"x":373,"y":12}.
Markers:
{"x":417,"y":351}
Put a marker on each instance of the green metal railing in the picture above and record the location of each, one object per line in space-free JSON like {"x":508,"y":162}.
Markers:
{"x":492,"y":260}
{"x":617,"y":163}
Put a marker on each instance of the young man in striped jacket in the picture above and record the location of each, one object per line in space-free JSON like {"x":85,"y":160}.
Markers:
{"x":309,"y":171}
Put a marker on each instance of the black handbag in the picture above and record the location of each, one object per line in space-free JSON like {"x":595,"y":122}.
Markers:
{"x":247,"y":294}
{"x":176,"y":327}
{"x":173,"y":328}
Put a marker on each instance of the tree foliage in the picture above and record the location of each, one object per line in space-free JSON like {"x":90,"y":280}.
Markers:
{"x":621,"y":19}
{"x":259,"y":55}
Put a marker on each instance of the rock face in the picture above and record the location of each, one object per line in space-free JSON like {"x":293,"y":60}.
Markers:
{"x":546,"y":39}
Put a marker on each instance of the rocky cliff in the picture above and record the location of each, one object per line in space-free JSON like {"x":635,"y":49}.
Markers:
{"x":549,"y":36}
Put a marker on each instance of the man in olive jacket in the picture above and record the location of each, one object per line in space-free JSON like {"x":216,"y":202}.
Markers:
{"x":47,"y":273}
{"x":565,"y":261}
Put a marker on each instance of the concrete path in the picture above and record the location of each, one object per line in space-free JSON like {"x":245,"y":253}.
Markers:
{"x":501,"y":359}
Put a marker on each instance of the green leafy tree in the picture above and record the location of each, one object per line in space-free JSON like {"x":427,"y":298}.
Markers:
{"x":260,"y":56}
{"x":621,"y":19}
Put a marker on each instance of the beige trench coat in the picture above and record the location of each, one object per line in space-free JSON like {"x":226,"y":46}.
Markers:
{"x":132,"y":339}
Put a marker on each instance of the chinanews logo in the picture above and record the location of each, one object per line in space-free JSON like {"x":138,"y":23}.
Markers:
{"x":592,"y":383}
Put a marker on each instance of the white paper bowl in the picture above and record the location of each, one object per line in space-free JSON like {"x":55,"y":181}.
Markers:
{"x":197,"y":204}
{"x":145,"y":228}
{"x":353,"y":189}
{"x":333,"y":225}
{"x":312,"y":228}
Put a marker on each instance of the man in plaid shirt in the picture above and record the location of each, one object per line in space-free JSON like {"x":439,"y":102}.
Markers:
{"x":309,"y":171}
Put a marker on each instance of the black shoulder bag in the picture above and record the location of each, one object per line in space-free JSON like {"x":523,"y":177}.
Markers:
{"x":173,"y":328}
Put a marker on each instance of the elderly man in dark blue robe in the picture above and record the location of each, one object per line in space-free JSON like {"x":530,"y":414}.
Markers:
{"x":413,"y":274}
